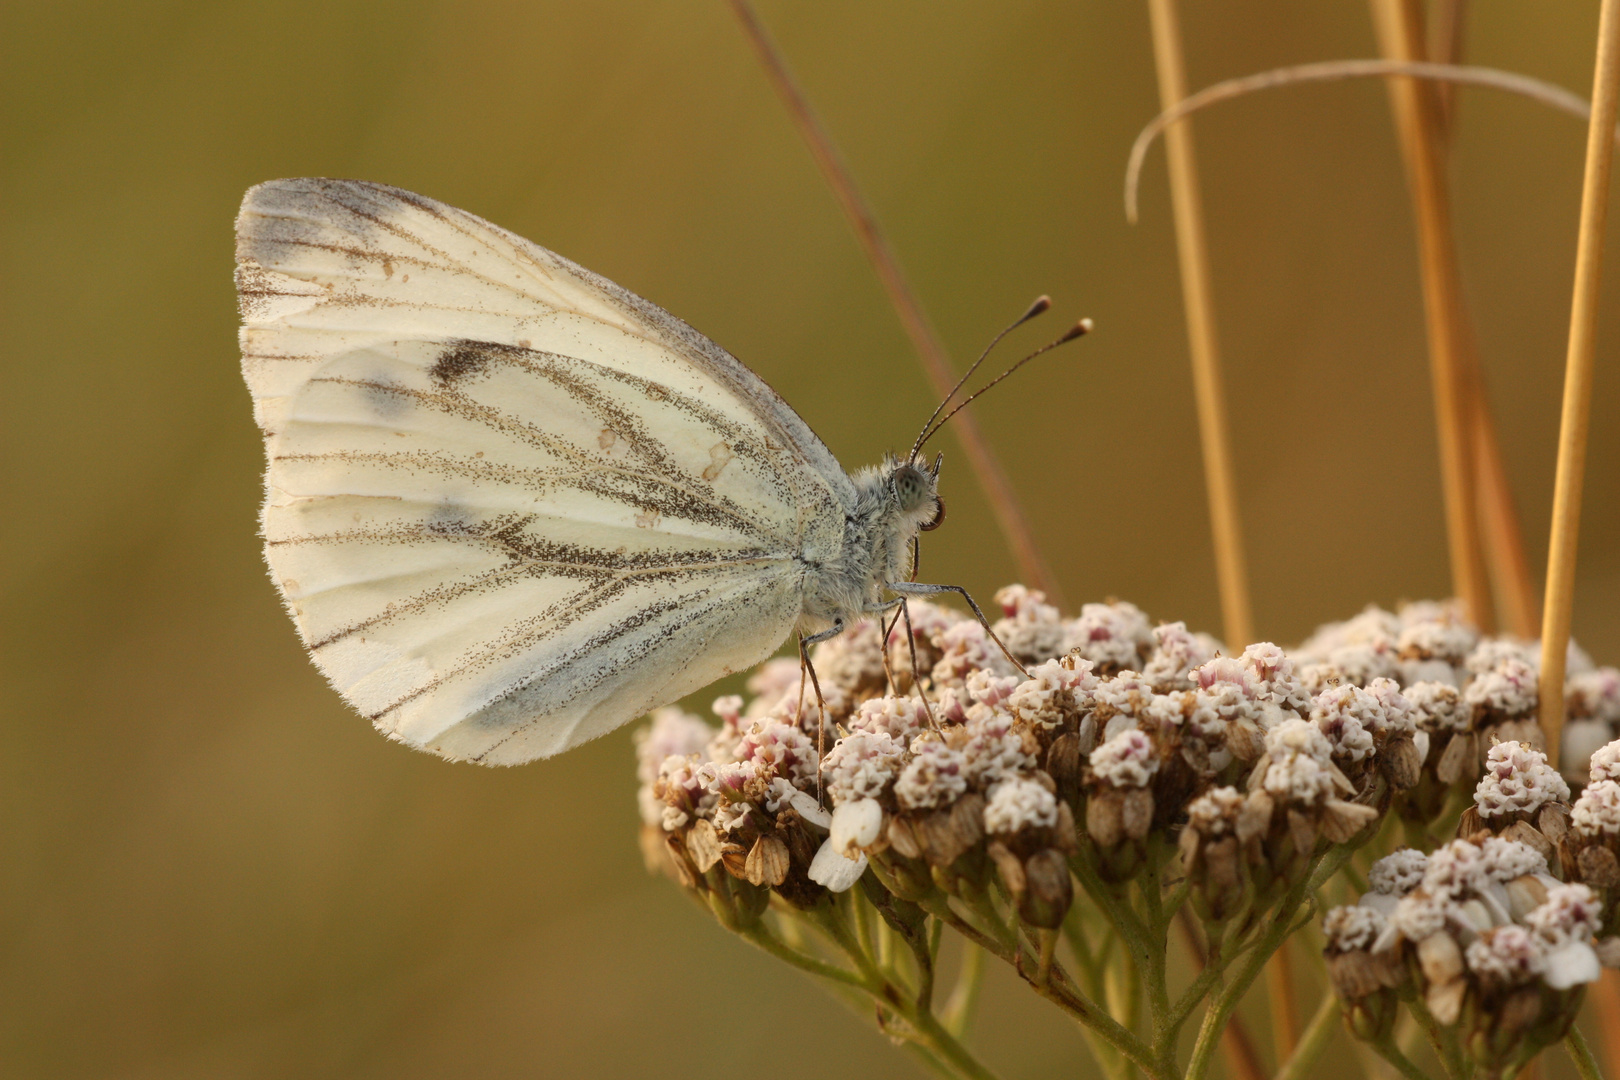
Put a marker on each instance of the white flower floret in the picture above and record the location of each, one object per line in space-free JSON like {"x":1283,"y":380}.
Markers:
{"x":1517,"y":780}
{"x":1508,"y":689}
{"x":1373,"y":626}
{"x":1352,"y":927}
{"x":1051,"y":690}
{"x":1605,"y":763}
{"x":1222,"y":702}
{"x":1509,"y":859}
{"x":1507,"y":954}
{"x":861,"y":766}
{"x":935,"y":776}
{"x":672,"y":733}
{"x":852,"y":660}
{"x":1441,"y":636}
{"x":1491,"y":652}
{"x":784,"y":795}
{"x":1396,"y":712}
{"x":1126,"y":692}
{"x":1570,"y":911}
{"x":1032,"y":627}
{"x":1455,"y":870}
{"x":900,"y":717}
{"x":1398,"y":873}
{"x":1019,"y":804}
{"x":967,"y":649}
{"x":780,"y":749}
{"x":1595,"y":695}
{"x":1301,"y":769}
{"x":1177,"y":652}
{"x":1229,"y":670}
{"x":993,"y":749}
{"x":1299,"y":737}
{"x":855,"y":825}
{"x":1597,"y":811}
{"x":1126,"y":760}
{"x":1438,"y":707}
{"x":1347,"y":716}
{"x":1214,"y":812}
{"x":1362,"y":662}
{"x":834,"y":871}
{"x":1113,"y":635}
{"x":1416,"y":916}
{"x":989,"y":688}
{"x":682,"y":785}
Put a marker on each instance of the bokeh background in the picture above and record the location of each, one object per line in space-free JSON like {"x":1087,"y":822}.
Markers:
{"x":209,"y":868}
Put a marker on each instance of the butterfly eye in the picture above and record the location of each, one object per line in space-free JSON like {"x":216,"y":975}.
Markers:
{"x":911,"y":487}
{"x":939,"y":517}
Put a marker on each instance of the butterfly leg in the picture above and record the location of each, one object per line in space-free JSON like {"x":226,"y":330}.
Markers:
{"x":821,"y":706}
{"x":911,"y":646}
{"x":914,"y":588}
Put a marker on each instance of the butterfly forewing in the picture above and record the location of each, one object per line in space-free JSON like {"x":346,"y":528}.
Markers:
{"x":509,"y":505}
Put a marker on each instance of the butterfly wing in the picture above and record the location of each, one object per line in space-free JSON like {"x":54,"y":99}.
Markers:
{"x":509,"y":505}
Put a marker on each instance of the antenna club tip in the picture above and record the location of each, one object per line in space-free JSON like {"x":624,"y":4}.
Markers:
{"x":1085,"y":326}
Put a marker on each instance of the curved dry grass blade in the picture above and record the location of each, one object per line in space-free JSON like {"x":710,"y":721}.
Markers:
{"x":992,"y":477}
{"x":1334,"y":71}
{"x":1577,"y":411}
{"x":1230,"y":567}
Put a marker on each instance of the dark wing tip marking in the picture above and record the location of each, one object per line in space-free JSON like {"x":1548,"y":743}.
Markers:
{"x":462,"y":360}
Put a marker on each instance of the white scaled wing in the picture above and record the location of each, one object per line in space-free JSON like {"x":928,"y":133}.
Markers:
{"x":509,"y":505}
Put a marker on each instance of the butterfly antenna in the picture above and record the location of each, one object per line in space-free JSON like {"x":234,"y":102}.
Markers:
{"x":1079,"y":329}
{"x":1041,"y":304}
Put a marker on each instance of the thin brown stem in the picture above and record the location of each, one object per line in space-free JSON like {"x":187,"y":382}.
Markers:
{"x":1577,"y":409}
{"x":1004,"y":504}
{"x":1518,"y":606}
{"x":1197,"y":295}
{"x":1418,"y":121}
{"x":1446,"y":46}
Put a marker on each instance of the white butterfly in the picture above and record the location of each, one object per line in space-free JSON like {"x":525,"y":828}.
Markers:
{"x":510,"y":505}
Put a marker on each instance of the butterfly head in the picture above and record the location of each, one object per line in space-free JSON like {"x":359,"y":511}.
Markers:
{"x":915,"y":488}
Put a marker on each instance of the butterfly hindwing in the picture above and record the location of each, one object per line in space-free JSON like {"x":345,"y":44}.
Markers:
{"x":507,"y":512}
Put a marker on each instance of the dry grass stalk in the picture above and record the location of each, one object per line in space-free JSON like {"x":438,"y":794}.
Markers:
{"x":1418,"y":120}
{"x":1577,"y":409}
{"x":1511,"y":581}
{"x":1198,"y":297}
{"x":1209,"y":390}
{"x":986,"y":467}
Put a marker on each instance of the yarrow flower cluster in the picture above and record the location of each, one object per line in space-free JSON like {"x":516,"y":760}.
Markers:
{"x":1494,"y":940}
{"x":958,"y":784}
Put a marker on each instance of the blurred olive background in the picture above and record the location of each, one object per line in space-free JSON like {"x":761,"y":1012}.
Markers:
{"x":210,"y":868}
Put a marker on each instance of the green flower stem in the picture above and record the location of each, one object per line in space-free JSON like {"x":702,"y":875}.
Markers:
{"x":1277,"y":931}
{"x":859,"y":1002}
{"x":1581,"y":1054}
{"x":923,"y":1022}
{"x":761,"y":937}
{"x":1313,"y":1040}
{"x":1091,"y":966}
{"x":959,"y":1006}
{"x":1444,"y":1039}
{"x":1060,"y":991}
{"x":1391,"y":1053}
